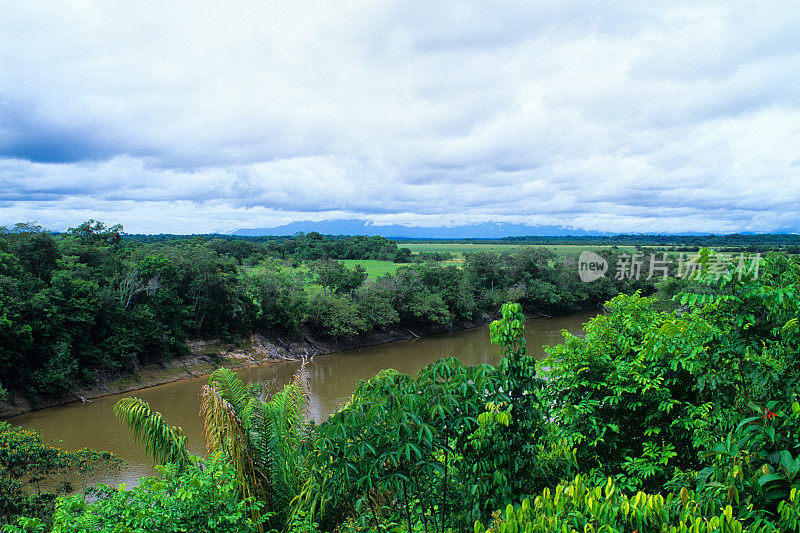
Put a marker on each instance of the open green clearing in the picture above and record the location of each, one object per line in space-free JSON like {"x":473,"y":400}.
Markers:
{"x":259,"y":269}
{"x":375,"y":268}
{"x":459,"y":249}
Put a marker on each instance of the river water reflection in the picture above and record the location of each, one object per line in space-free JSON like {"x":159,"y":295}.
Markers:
{"x":332,"y":379}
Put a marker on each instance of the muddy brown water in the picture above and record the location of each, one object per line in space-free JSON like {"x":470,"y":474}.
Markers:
{"x":332,"y":379}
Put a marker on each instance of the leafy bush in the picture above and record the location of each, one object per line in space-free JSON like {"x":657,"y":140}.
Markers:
{"x":33,"y":473}
{"x":204,"y":497}
{"x":636,"y":395}
{"x":393,"y":453}
{"x":645,"y":390}
{"x":334,"y":314}
{"x":503,"y":452}
{"x":576,"y":506}
{"x":756,"y":466}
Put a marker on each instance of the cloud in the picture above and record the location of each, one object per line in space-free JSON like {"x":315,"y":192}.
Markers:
{"x":187,"y":117}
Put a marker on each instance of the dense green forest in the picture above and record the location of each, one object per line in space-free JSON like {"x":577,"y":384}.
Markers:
{"x":751,"y":242}
{"x":673,"y":412}
{"x":91,"y":304}
{"x":756,"y":241}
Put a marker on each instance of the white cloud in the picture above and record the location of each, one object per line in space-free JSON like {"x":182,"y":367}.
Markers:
{"x":189,"y":117}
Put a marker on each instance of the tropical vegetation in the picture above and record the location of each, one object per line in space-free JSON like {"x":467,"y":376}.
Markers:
{"x":85,"y":307}
{"x":33,"y":473}
{"x":676,"y":411}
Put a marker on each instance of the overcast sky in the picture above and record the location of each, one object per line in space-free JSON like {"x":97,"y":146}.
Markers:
{"x":213,"y":116}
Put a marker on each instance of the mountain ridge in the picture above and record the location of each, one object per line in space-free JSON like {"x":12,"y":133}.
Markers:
{"x":485,"y":230}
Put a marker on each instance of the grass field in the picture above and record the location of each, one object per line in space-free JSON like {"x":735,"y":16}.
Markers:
{"x":256,"y":270}
{"x":375,"y":268}
{"x":459,"y":249}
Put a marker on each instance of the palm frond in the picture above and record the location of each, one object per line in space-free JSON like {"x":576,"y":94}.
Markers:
{"x":230,"y":387}
{"x":225,"y":433}
{"x":265,"y":441}
{"x":287,"y":434}
{"x":162,"y":443}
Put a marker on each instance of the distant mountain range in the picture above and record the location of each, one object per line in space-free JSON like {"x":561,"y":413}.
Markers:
{"x":486,"y":230}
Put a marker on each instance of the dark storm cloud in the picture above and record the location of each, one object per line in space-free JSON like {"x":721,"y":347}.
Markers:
{"x":26,"y":135}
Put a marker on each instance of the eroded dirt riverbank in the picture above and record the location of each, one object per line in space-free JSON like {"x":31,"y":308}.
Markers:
{"x":206,"y":356}
{"x":332,"y":380}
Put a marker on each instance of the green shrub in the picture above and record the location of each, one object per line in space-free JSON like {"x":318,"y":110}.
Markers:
{"x":392,"y":454}
{"x":202,"y":498}
{"x":758,"y":462}
{"x":504,"y":451}
{"x":644,"y":391}
{"x":577,"y":507}
{"x":33,"y":473}
{"x":336,"y":315}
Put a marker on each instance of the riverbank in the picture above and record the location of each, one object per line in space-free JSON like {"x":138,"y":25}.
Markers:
{"x":206,"y":356}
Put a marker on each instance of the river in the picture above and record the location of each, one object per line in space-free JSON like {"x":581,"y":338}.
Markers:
{"x":332,"y":379}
